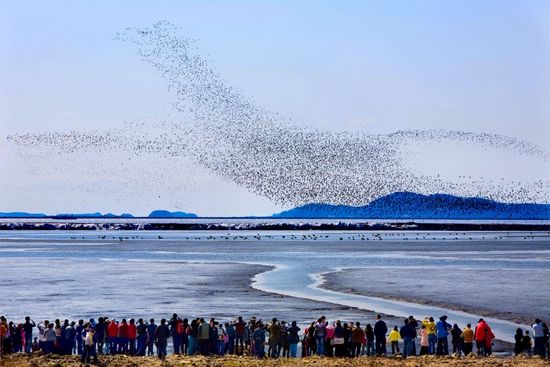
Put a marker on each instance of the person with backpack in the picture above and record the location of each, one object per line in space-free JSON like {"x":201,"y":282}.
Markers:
{"x":380,"y":330}
{"x":320,"y":334}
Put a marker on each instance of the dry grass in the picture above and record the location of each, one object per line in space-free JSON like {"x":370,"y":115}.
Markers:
{"x":37,"y":360}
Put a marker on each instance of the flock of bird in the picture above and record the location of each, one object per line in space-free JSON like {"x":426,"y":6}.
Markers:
{"x":227,"y":133}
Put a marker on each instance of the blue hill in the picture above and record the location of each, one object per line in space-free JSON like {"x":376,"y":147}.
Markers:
{"x":22,"y":215}
{"x":167,"y":214}
{"x":91,"y":215}
{"x":407,"y":205}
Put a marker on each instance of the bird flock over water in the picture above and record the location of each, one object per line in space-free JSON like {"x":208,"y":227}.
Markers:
{"x":225,"y":132}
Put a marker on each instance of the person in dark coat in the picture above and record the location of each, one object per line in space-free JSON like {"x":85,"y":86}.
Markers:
{"x":162,"y":333}
{"x":380,"y":331}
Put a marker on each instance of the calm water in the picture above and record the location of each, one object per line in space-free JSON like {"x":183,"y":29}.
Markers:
{"x":143,"y":259}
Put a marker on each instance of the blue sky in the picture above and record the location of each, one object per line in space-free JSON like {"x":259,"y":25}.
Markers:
{"x":375,"y":66}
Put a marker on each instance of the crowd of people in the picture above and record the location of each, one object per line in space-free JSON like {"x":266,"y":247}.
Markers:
{"x":260,"y":339}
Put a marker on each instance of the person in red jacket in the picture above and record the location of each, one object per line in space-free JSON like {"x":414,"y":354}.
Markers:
{"x":123,"y":337}
{"x":484,"y":338}
{"x":132,"y":333}
{"x":489,"y":336}
{"x":112,"y":334}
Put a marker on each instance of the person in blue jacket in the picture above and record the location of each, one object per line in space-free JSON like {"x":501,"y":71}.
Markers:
{"x":442,"y":327}
{"x":407,"y":334}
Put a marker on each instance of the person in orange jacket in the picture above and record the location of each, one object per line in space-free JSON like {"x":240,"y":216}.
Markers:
{"x":132,"y":333}
{"x":112,"y":334}
{"x":123,"y":337}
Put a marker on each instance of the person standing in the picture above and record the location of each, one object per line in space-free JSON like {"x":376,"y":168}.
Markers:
{"x":293,"y":339}
{"x":414,"y":326}
{"x":258,"y":336}
{"x":112,"y":333}
{"x":518,"y":345}
{"x":357,"y":336}
{"x":89,"y":345}
{"x":432,"y":334}
{"x":424,"y":344}
{"x":320,"y":334}
{"x":79,"y":334}
{"x":162,"y":333}
{"x":468,"y":339}
{"x":27,"y":327}
{"x":176,"y":337}
{"x":100,"y":334}
{"x":539,"y":348}
{"x":393,"y":338}
{"x":274,"y":337}
{"x":151,"y":330}
{"x":380,"y":331}
{"x":204,"y":337}
{"x":141,"y":331}
{"x":239,"y":335}
{"x":456,"y":339}
{"x":3,"y":333}
{"x":407,"y":333}
{"x":443,"y":327}
{"x":123,"y":337}
{"x":132,"y":334}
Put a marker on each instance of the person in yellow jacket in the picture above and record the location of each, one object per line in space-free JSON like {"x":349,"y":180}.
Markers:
{"x":431,"y":329}
{"x":467,"y":339}
{"x":393,"y":338}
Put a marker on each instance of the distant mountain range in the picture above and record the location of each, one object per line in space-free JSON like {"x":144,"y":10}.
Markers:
{"x":399,"y":205}
{"x":153,"y":214}
{"x":407,"y":205}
